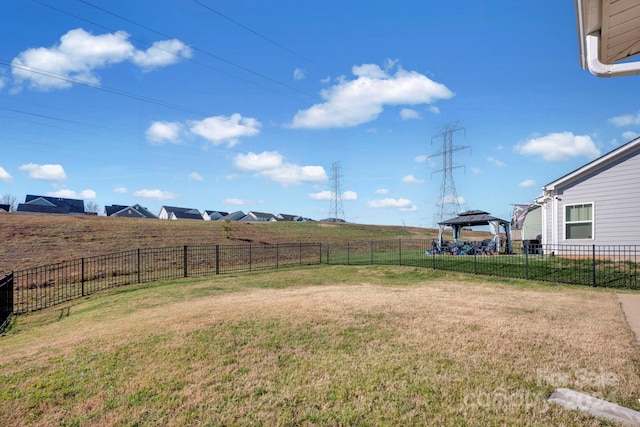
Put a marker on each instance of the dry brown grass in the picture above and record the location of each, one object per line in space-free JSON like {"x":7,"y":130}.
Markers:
{"x":30,"y":240}
{"x":328,"y":346}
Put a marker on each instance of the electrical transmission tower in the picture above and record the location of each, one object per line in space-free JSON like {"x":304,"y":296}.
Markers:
{"x":336,"y":211}
{"x":447,"y":205}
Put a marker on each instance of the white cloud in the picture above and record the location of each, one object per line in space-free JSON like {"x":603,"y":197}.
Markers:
{"x":353,"y":102}
{"x":258,"y":162}
{"x":349,"y":195}
{"x":3,"y":81}
{"x":44,"y":172}
{"x":272,"y":165}
{"x":433,"y":109}
{"x":527,"y":183}
{"x":412,"y":179}
{"x":162,"y":53}
{"x":382,"y":191}
{"x":401,"y":204}
{"x":422,"y":158}
{"x":495,"y":161}
{"x":221,"y":129}
{"x":327,"y":195}
{"x":322,"y":195}
{"x":161,"y":132}
{"x":79,"y":54}
{"x":70,"y":194}
{"x":299,"y":74}
{"x":120,"y":190}
{"x":409,"y":114}
{"x":625,"y":120}
{"x":557,"y":147}
{"x":196,"y":176}
{"x":629,"y":135}
{"x":235,"y":202}
{"x":155,"y":194}
{"x":450,"y":199}
{"x":294,"y":174}
{"x":5,"y":176}
{"x":476,"y":171}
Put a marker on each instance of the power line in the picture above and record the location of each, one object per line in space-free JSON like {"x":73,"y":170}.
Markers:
{"x":448,"y":205}
{"x":336,"y":210}
{"x":205,"y":52}
{"x":218,"y":70}
{"x":262,"y":36}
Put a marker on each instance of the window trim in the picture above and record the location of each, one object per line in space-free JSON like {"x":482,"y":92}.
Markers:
{"x":592,"y":220}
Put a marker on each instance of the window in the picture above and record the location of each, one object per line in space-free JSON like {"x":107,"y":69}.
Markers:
{"x":579,"y":221}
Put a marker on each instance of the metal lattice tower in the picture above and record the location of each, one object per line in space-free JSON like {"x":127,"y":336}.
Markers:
{"x":447,"y":206}
{"x":336,"y":211}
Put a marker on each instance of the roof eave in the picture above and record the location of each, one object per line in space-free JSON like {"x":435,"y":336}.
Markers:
{"x":600,"y":161}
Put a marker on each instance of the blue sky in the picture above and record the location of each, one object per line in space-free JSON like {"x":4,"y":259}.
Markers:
{"x":245,"y":105}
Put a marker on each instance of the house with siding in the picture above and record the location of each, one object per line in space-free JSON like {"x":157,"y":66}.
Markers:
{"x":254,"y":216}
{"x":210,"y":215}
{"x":174,"y":213}
{"x":526,"y":222}
{"x":134,"y":211}
{"x":596,"y":203}
{"x":233,"y":216}
{"x":287,"y":217}
{"x":5,"y":207}
{"x":51,"y":205}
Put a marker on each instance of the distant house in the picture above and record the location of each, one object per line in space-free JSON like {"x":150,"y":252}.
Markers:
{"x":5,"y":208}
{"x":253,"y":216}
{"x":135,"y":211}
{"x":286,"y":217}
{"x":209,"y":215}
{"x":174,"y":213}
{"x":596,"y":204}
{"x":233,"y":216}
{"x":51,"y":205}
{"x":526,"y":222}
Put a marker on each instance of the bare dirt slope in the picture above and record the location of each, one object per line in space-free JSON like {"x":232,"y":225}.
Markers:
{"x":30,"y":240}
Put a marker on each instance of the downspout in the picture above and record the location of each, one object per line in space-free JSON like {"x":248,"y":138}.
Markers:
{"x":599,"y":69}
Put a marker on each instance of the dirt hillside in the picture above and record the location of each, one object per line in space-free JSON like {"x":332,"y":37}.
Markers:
{"x":31,"y":240}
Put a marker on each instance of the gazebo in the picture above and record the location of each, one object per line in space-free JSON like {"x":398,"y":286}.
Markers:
{"x":476,"y":218}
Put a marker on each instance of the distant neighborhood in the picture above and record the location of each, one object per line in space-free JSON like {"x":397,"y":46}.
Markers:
{"x":59,"y":205}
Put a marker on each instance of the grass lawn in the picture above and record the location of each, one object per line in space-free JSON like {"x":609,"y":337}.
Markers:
{"x":329,"y":345}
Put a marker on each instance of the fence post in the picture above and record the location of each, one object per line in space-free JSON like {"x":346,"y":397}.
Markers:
{"x":400,"y":251}
{"x":139,"y":281}
{"x":475,"y":261}
{"x":250,"y":257}
{"x":526,"y":260}
{"x":82,"y":276}
{"x":371,"y":250}
{"x":184,"y":258}
{"x":348,"y":253}
{"x":593,"y":263}
{"x":217,"y":259}
{"x":277,"y":255}
{"x":300,"y":252}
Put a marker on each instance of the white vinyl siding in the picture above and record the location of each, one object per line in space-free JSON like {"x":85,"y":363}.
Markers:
{"x":578,"y":220}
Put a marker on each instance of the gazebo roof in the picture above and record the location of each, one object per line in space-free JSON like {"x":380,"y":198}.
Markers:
{"x":471,"y":218}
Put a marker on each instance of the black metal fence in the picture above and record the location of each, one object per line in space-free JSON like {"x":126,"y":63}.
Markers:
{"x":6,"y":300}
{"x":593,"y":265}
{"x":42,"y":287}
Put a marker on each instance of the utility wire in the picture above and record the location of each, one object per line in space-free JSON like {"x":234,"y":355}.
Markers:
{"x":262,"y":36}
{"x":228,"y":74}
{"x":205,"y":52}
